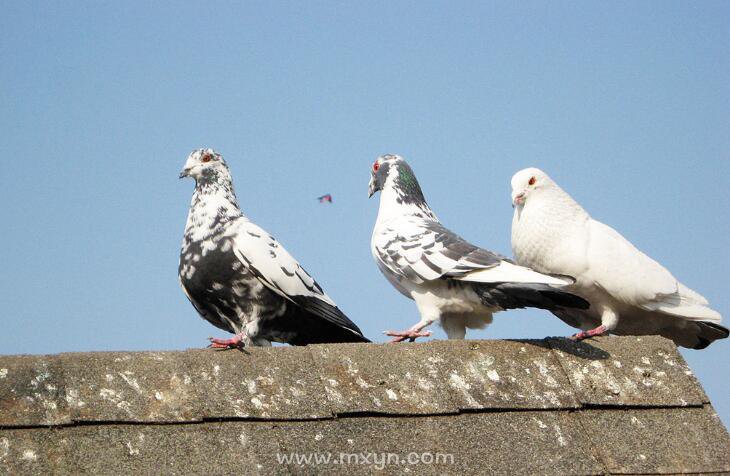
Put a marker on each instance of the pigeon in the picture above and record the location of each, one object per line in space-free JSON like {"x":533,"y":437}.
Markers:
{"x":630,"y":293}
{"x":325,"y":198}
{"x":240,"y":279}
{"x":451,"y":281}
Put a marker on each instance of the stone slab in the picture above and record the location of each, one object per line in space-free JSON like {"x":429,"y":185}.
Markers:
{"x":129,"y":387}
{"x":659,"y":441}
{"x":505,"y":443}
{"x":210,"y":448}
{"x":32,"y":391}
{"x":628,"y":370}
{"x":277,"y":383}
{"x":31,"y":451}
{"x":504,"y":374}
{"x":386,"y":379}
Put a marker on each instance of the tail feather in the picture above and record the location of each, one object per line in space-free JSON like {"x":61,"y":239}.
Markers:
{"x":313,"y":321}
{"x":694,"y":312}
{"x":311,"y":329}
{"x":684,"y":303}
{"x":520,"y":295}
{"x":710,"y":332}
{"x":327,"y":312}
{"x":688,"y":295}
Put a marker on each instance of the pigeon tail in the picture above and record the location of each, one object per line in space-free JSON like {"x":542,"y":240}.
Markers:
{"x":324,"y":333}
{"x":710,"y":332}
{"x":308,"y":328}
{"x":323,"y":323}
{"x":685,"y":303}
{"x":521,"y":295}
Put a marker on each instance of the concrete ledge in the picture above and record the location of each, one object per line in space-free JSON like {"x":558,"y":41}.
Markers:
{"x":623,"y":405}
{"x":438,"y":377}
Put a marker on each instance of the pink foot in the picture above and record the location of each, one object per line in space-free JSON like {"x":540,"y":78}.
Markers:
{"x":410,"y":335}
{"x":235,"y":342}
{"x":600,"y":330}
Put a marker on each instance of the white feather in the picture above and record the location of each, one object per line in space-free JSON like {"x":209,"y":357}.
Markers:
{"x":280,"y":272}
{"x":552,"y":233}
{"x":507,"y":272}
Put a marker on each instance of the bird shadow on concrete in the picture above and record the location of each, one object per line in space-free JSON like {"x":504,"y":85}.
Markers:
{"x":581,"y":349}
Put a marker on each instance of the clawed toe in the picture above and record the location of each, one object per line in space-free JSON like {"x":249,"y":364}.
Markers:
{"x":409,"y":335}
{"x":582,"y":335}
{"x":233,"y":343}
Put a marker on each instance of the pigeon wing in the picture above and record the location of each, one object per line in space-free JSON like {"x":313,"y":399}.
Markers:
{"x":424,"y":250}
{"x":280,"y":272}
{"x":639,"y":280}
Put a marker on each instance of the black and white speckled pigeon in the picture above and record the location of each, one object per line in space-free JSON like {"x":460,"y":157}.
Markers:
{"x":452,"y":281}
{"x":240,"y":279}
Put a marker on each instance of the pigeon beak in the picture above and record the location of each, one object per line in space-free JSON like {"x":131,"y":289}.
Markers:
{"x":184,"y":173}
{"x":518,"y":199}
{"x":371,"y":187}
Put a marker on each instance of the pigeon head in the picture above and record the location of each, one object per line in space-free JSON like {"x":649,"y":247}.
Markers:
{"x":527,"y":183}
{"x":205,"y":165}
{"x":393,"y":172}
{"x":380,"y":172}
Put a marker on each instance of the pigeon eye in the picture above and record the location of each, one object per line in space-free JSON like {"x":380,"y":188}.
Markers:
{"x":207,"y":158}
{"x":532,"y":181}
{"x":376,"y":166}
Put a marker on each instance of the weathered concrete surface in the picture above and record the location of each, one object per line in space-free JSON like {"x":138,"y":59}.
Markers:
{"x":282,"y":383}
{"x":32,"y":451}
{"x":32,"y":391}
{"x":644,"y":371}
{"x":129,"y":387}
{"x":658,"y":441}
{"x":504,"y":374}
{"x":620,"y":405}
{"x":664,"y":441}
{"x":443,"y":377}
{"x":372,"y":378}
{"x":487,"y":443}
{"x":211,"y":448}
{"x":320,"y":381}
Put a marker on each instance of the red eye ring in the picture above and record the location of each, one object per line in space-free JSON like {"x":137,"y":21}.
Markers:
{"x":532,"y":181}
{"x":376,"y":166}
{"x":207,"y":158}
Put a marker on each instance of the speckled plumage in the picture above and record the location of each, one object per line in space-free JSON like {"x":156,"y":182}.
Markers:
{"x":240,"y":279}
{"x":451,"y":280}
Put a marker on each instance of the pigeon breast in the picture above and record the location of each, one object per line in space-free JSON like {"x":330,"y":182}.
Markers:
{"x":222,"y":288}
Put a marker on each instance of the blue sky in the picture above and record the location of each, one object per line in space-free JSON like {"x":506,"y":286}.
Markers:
{"x":625,"y":104}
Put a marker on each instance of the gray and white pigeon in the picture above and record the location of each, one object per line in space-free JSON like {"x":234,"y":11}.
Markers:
{"x":240,"y":279}
{"x":630,"y":293}
{"x":452,"y":281}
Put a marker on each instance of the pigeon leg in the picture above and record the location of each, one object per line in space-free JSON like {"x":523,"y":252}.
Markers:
{"x":600,"y":330}
{"x":609,"y":320}
{"x":235,"y":342}
{"x":428,"y":315}
{"x":411,"y":334}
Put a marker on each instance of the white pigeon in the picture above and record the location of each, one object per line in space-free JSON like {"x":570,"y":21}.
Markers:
{"x":452,"y":281}
{"x":240,"y":279}
{"x":630,"y":293}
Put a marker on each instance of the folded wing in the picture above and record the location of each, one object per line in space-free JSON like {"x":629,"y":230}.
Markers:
{"x":281,"y":273}
{"x":635,"y":279}
{"x":423,"y":250}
